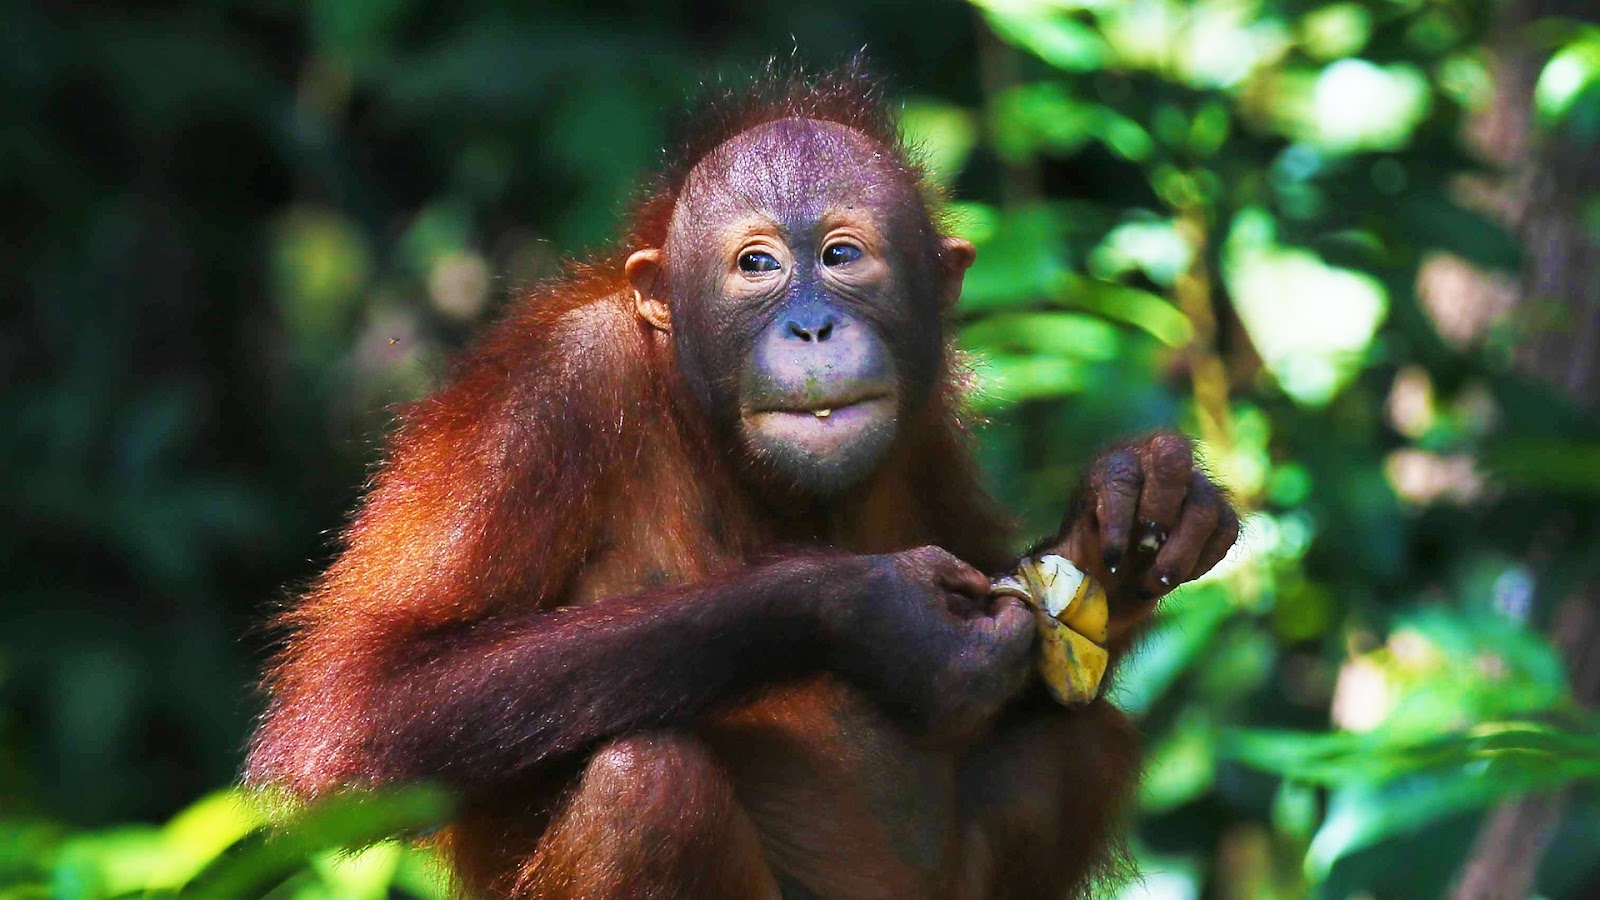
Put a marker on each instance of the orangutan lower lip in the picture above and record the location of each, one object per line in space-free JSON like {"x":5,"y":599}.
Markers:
{"x":823,"y":429}
{"x":822,"y":410}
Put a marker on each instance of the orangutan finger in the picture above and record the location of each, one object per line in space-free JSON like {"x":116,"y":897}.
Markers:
{"x":1116,"y":481}
{"x":1222,"y":540}
{"x":1197,"y":522}
{"x":1168,"y":464}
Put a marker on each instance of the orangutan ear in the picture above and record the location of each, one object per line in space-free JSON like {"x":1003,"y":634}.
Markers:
{"x":649,"y":299}
{"x":956,"y":256}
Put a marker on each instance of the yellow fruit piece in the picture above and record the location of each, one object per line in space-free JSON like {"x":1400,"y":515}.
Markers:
{"x":1070,"y":613}
{"x":1090,"y":614}
{"x":1070,"y":664}
{"x":1055,"y":583}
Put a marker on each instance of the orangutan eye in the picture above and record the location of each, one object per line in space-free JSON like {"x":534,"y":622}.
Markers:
{"x":840,"y":254}
{"x":757,"y":261}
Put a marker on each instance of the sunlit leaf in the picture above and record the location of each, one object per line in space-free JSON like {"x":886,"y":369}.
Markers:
{"x":1153,"y":247}
{"x":1311,"y":322}
{"x":320,"y":263}
{"x":1362,"y":815}
{"x":1148,"y":312}
{"x":1058,"y":40}
{"x":1163,"y":878}
{"x":1357,"y":104}
{"x":1008,"y":378}
{"x":1336,"y":30}
{"x":1570,"y":72}
{"x":424,"y":874}
{"x":202,"y":831}
{"x":1021,"y":260}
{"x":111,"y":862}
{"x":945,"y":135}
{"x":438,"y":230}
{"x":1522,"y":754}
{"x":1048,"y":117}
{"x":1180,"y":766}
{"x":362,"y":875}
{"x":266,"y":857}
{"x":27,"y":850}
{"x":1055,"y":333}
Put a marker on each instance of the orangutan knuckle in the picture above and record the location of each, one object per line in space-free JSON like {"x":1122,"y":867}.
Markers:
{"x":1119,"y":472}
{"x":1171,"y":460}
{"x":922,"y":560}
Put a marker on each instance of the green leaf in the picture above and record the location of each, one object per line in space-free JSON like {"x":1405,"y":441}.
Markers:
{"x":1294,"y":810}
{"x":1523,"y":751}
{"x":1570,"y":72}
{"x":203,"y":830}
{"x":1007,"y":378}
{"x":944,"y":136}
{"x":1050,"y":333}
{"x":1364,"y":815}
{"x":27,"y":849}
{"x":1181,"y":765}
{"x":1047,"y":116}
{"x":354,"y":30}
{"x":1556,"y":465}
{"x":1433,"y":219}
{"x":1021,"y":259}
{"x":267,"y":857}
{"x":1185,"y":630}
{"x":364,"y":875}
{"x":107,"y":863}
{"x":1150,"y":313}
{"x":320,"y":265}
{"x":1058,"y":40}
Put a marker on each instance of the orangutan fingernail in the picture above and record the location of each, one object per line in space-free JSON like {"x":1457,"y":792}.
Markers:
{"x":1154,"y":537}
{"x":1112,"y":557}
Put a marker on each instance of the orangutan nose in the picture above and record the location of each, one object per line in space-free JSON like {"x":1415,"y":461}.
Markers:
{"x":815,"y":327}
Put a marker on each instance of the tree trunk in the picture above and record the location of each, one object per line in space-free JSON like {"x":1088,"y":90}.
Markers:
{"x":1541,"y":196}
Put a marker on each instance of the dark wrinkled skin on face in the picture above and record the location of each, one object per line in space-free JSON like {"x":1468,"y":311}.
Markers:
{"x":765,"y":352}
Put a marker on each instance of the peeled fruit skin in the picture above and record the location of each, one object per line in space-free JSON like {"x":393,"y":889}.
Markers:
{"x":1070,"y":612}
{"x":1070,"y":664}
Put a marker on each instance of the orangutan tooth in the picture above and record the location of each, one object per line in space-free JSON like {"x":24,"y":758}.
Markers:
{"x":824,"y":413}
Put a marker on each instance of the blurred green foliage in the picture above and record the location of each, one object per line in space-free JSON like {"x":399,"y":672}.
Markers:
{"x":238,"y":231}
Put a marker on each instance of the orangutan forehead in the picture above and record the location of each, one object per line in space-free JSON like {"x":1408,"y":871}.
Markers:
{"x":796,"y":167}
